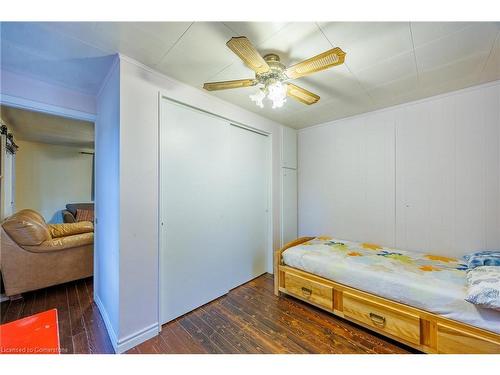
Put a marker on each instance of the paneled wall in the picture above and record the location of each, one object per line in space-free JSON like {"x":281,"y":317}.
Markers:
{"x":289,"y":185}
{"x":422,"y":176}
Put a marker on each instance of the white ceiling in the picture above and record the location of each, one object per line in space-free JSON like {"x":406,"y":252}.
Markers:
{"x":40,"y":127}
{"x":386,"y":63}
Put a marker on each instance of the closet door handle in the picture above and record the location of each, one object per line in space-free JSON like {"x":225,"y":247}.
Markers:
{"x":377,"y":319}
{"x":306,"y":291}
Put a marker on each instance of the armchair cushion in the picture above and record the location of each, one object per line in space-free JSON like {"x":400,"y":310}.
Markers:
{"x":27,"y":228}
{"x":69,"y":229}
{"x":62,"y":243}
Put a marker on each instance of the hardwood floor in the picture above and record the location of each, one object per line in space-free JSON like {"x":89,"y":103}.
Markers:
{"x":249,"y":319}
{"x":81,"y":328}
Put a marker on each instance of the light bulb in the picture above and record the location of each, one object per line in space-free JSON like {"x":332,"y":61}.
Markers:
{"x":277,"y":94}
{"x":258,"y":97}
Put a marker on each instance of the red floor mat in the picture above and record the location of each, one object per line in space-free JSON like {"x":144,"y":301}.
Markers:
{"x":36,"y":334}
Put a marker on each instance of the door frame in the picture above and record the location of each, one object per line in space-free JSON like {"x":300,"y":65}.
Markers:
{"x":34,"y":106}
{"x":162,"y":95}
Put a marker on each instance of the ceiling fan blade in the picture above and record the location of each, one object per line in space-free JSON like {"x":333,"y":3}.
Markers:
{"x":224,"y":85}
{"x":317,"y":63}
{"x":242,"y":47}
{"x":302,"y":95}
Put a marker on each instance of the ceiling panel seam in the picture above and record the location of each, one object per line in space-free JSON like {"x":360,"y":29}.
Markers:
{"x":258,"y":45}
{"x":347,"y":65}
{"x":100,"y":48}
{"x":414,"y":53}
{"x":173,"y":45}
{"x":489,"y":54}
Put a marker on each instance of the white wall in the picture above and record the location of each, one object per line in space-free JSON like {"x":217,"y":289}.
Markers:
{"x":50,"y":176}
{"x":31,"y":94}
{"x":139,"y":90}
{"x":107,"y":203}
{"x":421,"y":176}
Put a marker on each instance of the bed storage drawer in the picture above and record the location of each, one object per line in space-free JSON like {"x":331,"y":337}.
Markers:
{"x":382,"y":317}
{"x":312,"y":291}
{"x":454,"y":341}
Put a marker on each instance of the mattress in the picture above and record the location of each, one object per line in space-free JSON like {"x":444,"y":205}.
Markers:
{"x":429,"y":282}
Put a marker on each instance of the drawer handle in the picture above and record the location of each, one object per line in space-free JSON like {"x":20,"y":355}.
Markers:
{"x":306,"y":291}
{"x":377,"y":319}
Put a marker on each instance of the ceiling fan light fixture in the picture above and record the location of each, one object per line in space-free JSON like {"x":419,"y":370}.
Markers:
{"x":258,"y":98}
{"x":277,"y":94}
{"x":273,"y":77}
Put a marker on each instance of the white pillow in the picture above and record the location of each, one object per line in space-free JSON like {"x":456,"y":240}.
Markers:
{"x":484,"y":287}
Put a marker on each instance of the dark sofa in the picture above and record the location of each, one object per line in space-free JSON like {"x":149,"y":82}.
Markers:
{"x":69,"y":214}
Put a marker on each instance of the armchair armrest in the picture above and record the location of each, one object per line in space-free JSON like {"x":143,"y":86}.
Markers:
{"x":62,"y":243}
{"x":70,"y":229}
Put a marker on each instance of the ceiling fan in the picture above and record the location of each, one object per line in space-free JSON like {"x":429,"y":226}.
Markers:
{"x":272,"y":77}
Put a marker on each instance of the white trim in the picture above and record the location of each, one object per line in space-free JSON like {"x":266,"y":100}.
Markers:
{"x":130,"y":341}
{"x":164,"y":95}
{"x":107,"y":322}
{"x":402,"y":105}
{"x":137,"y":338}
{"x":31,"y":105}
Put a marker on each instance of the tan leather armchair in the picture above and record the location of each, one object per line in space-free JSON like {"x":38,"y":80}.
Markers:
{"x":35,"y":255}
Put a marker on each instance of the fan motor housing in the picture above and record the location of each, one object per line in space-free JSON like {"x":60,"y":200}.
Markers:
{"x":277,"y":71}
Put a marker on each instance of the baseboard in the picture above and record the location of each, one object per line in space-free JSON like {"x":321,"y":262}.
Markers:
{"x":3,"y":298}
{"x":107,"y":322}
{"x":137,"y":338}
{"x":128,"y":342}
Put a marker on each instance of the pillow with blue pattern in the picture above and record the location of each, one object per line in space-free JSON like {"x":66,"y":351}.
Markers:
{"x":483,"y":287}
{"x":483,"y":258}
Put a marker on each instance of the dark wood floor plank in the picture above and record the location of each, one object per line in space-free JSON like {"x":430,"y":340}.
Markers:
{"x":231,"y":332}
{"x":314,"y":338}
{"x":284,"y":310}
{"x":198,"y":335}
{"x":40,"y":303}
{"x":266,"y":335}
{"x":94,"y":323}
{"x":200,"y":320}
{"x":80,"y":339}
{"x":134,"y":350}
{"x":13,"y":311}
{"x":57,"y":298}
{"x":176,"y":344}
{"x":291,"y":338}
{"x":341,"y":327}
{"x":185,"y":342}
{"x":249,"y":319}
{"x":150,"y":346}
{"x":262,"y":341}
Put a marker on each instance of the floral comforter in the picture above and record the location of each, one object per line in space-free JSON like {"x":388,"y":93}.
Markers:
{"x":430,"y":282}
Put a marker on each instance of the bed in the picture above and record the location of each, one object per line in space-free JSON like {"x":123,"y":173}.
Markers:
{"x":415,"y":298}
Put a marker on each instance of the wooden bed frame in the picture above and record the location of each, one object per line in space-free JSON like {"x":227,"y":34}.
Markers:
{"x":419,"y":329}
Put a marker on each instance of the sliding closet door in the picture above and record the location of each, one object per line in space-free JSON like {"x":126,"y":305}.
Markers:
{"x":213,"y":208}
{"x":192,"y":208}
{"x":247,"y":189}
